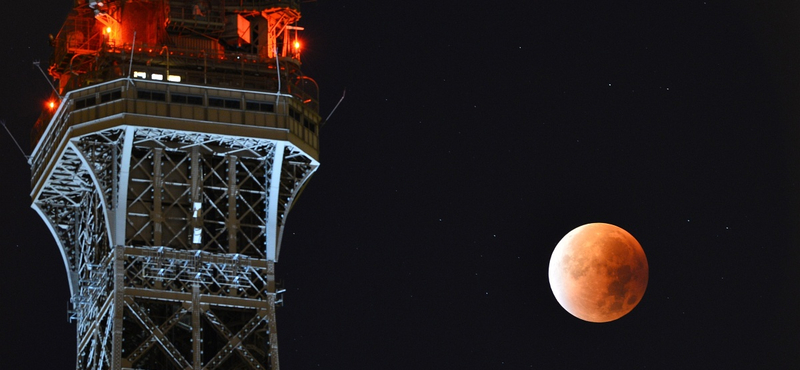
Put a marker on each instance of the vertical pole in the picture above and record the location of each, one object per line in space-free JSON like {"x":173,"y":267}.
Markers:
{"x":119,"y":306}
{"x":114,"y":188}
{"x":157,"y":182}
{"x":197,"y":339}
{"x":272,"y":324}
{"x":272,"y":199}
{"x":197,"y":225}
{"x":232,"y":221}
{"x":121,"y":205}
{"x":197,"y":199}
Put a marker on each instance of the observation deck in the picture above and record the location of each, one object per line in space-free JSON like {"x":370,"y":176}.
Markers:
{"x":192,"y":108}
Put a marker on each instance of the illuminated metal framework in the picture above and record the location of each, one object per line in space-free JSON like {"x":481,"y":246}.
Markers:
{"x":168,"y":199}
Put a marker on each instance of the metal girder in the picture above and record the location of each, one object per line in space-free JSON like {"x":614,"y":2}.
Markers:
{"x":156,"y":334}
{"x":201,"y":225}
{"x":169,"y":233}
{"x":235,"y":341}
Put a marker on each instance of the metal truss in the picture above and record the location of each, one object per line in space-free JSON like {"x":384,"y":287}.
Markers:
{"x":169,"y":238}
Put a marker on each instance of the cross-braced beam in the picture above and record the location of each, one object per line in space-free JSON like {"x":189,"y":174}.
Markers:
{"x":169,"y":229}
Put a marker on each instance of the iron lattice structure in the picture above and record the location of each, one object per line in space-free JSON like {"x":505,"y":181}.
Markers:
{"x":168,"y":197}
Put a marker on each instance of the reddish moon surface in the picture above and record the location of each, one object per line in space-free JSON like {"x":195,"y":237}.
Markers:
{"x":598,"y":272}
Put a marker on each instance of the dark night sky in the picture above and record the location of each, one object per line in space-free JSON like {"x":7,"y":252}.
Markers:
{"x":474,"y":135}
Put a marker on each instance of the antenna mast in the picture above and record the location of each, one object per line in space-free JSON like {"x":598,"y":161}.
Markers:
{"x":15,"y":140}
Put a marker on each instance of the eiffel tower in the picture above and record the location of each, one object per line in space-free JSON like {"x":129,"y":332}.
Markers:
{"x":179,"y":136}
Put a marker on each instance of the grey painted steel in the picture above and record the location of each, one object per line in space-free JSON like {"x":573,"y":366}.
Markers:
{"x":169,"y":221}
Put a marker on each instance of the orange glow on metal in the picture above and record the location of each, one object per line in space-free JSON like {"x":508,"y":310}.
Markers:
{"x":108,"y":30}
{"x":296,"y":44}
{"x":51,"y":105}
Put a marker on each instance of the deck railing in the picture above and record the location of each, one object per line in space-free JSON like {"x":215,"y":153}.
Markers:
{"x":176,"y":101}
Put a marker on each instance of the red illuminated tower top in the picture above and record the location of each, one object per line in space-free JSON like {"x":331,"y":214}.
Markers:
{"x":227,"y":43}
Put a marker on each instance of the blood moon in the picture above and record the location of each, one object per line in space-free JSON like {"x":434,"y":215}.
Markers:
{"x":598,"y":272}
